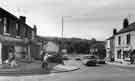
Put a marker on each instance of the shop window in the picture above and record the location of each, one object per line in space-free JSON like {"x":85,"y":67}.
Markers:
{"x":119,"y":54}
{"x":125,"y":54}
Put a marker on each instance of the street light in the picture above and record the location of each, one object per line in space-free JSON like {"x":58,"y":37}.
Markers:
{"x":62,"y":24}
{"x":62,"y":29}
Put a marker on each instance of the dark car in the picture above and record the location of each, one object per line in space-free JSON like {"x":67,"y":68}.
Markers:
{"x":65,"y":57}
{"x":78,"y":58}
{"x":89,"y":60}
{"x":101,"y":60}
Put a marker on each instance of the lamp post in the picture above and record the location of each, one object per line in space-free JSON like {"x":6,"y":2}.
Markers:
{"x":62,"y":23}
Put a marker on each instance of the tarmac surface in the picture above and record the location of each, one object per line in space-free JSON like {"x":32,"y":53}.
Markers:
{"x":34,"y":68}
{"x":101,"y":72}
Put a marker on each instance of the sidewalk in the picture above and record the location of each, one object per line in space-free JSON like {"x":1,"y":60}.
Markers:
{"x":122,"y":64}
{"x":35,"y":68}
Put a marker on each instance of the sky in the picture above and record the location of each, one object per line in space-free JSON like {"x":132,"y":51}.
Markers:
{"x":82,"y":18}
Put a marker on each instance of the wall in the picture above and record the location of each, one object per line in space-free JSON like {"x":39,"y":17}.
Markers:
{"x":20,"y":51}
{"x":123,"y":45}
{"x":0,"y":53}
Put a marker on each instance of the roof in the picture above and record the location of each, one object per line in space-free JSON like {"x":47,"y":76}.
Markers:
{"x":130,"y":27}
{"x":6,"y":12}
{"x":97,"y":45}
{"x":110,"y":37}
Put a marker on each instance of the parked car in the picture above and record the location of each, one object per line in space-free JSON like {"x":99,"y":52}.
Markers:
{"x":65,"y":57}
{"x":100,"y":60}
{"x":89,"y":60}
{"x":78,"y":58}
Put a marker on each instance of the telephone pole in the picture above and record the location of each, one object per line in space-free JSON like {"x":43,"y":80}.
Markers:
{"x":62,"y":23}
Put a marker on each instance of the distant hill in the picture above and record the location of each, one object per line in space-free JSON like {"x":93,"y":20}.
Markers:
{"x":76,"y":45}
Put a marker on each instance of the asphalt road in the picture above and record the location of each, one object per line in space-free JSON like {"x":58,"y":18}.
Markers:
{"x":98,"y":73}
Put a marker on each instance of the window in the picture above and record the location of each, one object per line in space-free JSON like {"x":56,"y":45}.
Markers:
{"x":119,"y":40}
{"x":17,"y":29}
{"x":5,"y":25}
{"x":33,"y":34}
{"x":125,"y":54}
{"x":119,"y":54}
{"x":26,"y":31}
{"x":128,"y":39}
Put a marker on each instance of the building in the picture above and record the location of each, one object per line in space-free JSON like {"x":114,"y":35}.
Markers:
{"x":124,"y":42}
{"x":98,"y":49}
{"x":14,"y":32}
{"x":110,"y":47}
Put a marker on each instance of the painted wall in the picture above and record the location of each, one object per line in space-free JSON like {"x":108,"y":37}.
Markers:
{"x":0,"y":53}
{"x":123,"y":44}
{"x":20,"y":51}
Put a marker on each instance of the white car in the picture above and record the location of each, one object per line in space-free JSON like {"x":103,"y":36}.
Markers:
{"x":89,"y":60}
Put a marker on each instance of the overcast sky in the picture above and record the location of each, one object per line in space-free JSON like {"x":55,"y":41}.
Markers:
{"x":82,"y":18}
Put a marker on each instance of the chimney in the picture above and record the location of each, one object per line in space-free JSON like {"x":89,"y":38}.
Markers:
{"x":35,"y":29}
{"x":114,"y":31}
{"x":23,"y":19}
{"x":125,"y":23}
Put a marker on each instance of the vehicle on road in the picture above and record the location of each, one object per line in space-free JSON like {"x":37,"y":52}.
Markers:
{"x":78,"y":58}
{"x":65,"y":57}
{"x":101,"y":61}
{"x":89,"y":60}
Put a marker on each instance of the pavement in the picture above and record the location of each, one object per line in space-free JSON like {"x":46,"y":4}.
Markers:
{"x":122,"y":64}
{"x":35,"y":68}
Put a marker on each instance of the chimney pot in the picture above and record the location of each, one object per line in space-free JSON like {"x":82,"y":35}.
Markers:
{"x":23,"y":19}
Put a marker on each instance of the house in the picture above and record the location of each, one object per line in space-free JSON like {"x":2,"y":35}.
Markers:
{"x":98,"y":49}
{"x":124,"y":42}
{"x":110,"y":47}
{"x":14,"y":32}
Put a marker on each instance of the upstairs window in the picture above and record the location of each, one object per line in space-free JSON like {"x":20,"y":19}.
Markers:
{"x":17,"y":29}
{"x":119,"y":40}
{"x":128,"y":39}
{"x":6,"y":29}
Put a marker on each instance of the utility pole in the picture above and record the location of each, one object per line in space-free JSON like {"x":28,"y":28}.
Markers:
{"x":62,"y":23}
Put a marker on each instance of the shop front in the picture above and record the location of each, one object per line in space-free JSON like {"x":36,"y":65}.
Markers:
{"x":19,"y":46}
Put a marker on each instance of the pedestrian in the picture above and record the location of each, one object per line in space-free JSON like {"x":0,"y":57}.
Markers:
{"x":132,"y":54}
{"x":11,"y":58}
{"x":45,"y":61}
{"x":44,"y":57}
{"x":42,"y":53}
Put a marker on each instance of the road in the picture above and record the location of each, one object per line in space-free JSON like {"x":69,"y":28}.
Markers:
{"x":98,"y":73}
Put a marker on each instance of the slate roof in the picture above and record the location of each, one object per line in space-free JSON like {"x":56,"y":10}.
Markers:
{"x":110,"y":37}
{"x":5,"y":12}
{"x":130,"y":27}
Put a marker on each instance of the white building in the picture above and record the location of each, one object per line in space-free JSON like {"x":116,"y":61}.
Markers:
{"x":124,"y":42}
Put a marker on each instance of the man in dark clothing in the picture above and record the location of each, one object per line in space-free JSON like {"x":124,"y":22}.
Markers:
{"x":132,"y":54}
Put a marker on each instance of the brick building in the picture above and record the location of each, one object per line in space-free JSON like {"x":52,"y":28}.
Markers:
{"x":14,"y":32}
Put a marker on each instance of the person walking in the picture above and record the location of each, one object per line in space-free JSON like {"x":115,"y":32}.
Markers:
{"x":45,"y":62}
{"x":11,"y":58}
{"x":132,"y":56}
{"x":44,"y":58}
